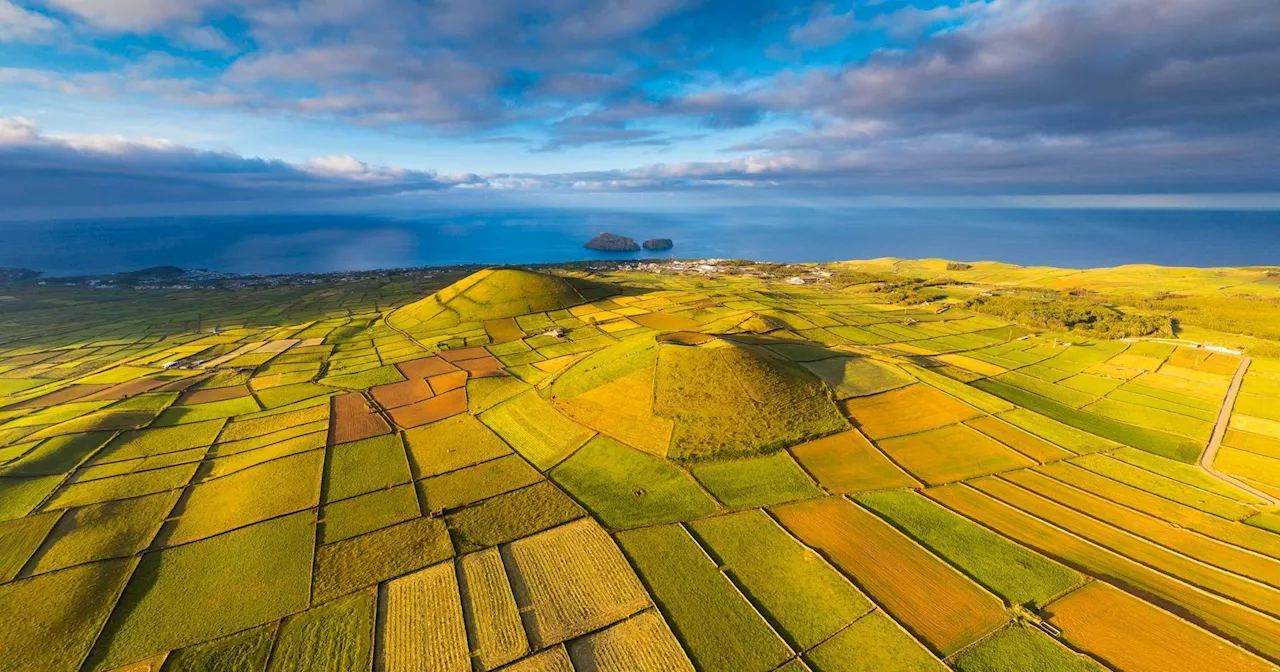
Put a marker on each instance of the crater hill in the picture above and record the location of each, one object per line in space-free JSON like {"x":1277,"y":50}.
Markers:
{"x":493,"y":294}
{"x":696,"y":396}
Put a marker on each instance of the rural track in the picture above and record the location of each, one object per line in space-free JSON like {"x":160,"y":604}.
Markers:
{"x":1220,"y":430}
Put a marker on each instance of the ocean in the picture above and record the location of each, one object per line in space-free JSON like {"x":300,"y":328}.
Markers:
{"x":322,"y":243}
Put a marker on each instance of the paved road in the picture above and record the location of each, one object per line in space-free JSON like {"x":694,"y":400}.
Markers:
{"x":1220,"y":430}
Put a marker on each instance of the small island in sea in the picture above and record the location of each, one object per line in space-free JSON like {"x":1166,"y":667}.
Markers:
{"x":658,"y":244}
{"x":610,"y":242}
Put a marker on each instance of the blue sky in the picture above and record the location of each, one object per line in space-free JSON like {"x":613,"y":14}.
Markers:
{"x":130,"y":105}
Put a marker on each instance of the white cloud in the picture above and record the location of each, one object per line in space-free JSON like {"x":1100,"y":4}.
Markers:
{"x":22,"y":25}
{"x":18,"y":129}
{"x":824,"y":28}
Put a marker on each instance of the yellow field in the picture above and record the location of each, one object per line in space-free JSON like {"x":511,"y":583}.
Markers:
{"x":951,"y":453}
{"x":577,"y":581}
{"x":503,"y":330}
{"x":1235,"y":621}
{"x":1254,"y":443}
{"x":1260,"y":597}
{"x":1229,"y":531}
{"x":496,"y":631}
{"x":424,"y":627}
{"x":915,"y":408}
{"x":1132,"y":635}
{"x":938,"y":604}
{"x":1262,"y":426}
{"x":848,"y":463}
{"x":970,"y":364}
{"x":622,"y":409}
{"x":1225,"y":556}
{"x":642,"y":643}
{"x":664,"y":322}
{"x":1024,"y":442}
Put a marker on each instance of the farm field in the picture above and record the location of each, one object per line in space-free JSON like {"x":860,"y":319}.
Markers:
{"x":610,"y":469}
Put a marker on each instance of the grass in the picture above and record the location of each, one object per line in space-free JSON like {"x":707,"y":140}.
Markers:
{"x":460,"y":441}
{"x":19,"y":539}
{"x":121,"y":487}
{"x":244,"y":429}
{"x":1127,"y":633}
{"x":626,"y":488}
{"x":1160,"y":443}
{"x":938,"y":604}
{"x":872,"y":644}
{"x":360,"y":562}
{"x":472,"y":484}
{"x":1207,"y":524}
{"x":359,"y":467}
{"x":485,"y":393}
{"x":245,"y":578}
{"x":1064,"y":436}
{"x":783,"y":578}
{"x":758,"y":481}
{"x":248,"y":496}
{"x":966,"y":393}
{"x":1022,"y":647}
{"x":382,"y":375}
{"x":1159,"y":484}
{"x":497,"y":630}
{"x":731,"y":399}
{"x":535,"y":429}
{"x":847,"y":462}
{"x":1020,"y":440}
{"x":285,"y":395}
{"x":245,"y":651}
{"x":858,"y":376}
{"x":19,"y":496}
{"x":101,"y":531}
{"x":56,"y":455}
{"x":336,"y":636}
{"x":719,"y":629}
{"x":61,"y":615}
{"x":627,"y":357}
{"x":1191,"y":475}
{"x":576,"y":581}
{"x":368,"y":512}
{"x":511,"y":516}
{"x":1017,"y":575}
{"x":182,"y":415}
{"x":951,"y":453}
{"x":1190,"y":544}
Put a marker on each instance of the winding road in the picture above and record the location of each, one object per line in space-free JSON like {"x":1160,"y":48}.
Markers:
{"x":1220,"y":430}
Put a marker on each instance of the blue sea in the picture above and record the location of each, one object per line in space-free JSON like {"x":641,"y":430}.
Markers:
{"x":322,"y":243}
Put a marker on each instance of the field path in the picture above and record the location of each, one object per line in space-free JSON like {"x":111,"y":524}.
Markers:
{"x":1220,"y":430}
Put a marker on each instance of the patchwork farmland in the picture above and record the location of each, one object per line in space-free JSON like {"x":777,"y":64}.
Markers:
{"x":614,"y":469}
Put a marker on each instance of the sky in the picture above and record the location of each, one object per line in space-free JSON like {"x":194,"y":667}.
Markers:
{"x":121,"y":107}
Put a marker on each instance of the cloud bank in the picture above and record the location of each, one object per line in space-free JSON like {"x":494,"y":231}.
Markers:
{"x":877,"y":97}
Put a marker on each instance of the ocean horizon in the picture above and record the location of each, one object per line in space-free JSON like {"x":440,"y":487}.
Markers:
{"x":316,"y":243}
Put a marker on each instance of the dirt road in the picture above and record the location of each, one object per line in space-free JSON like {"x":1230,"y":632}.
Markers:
{"x":1220,"y":430}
